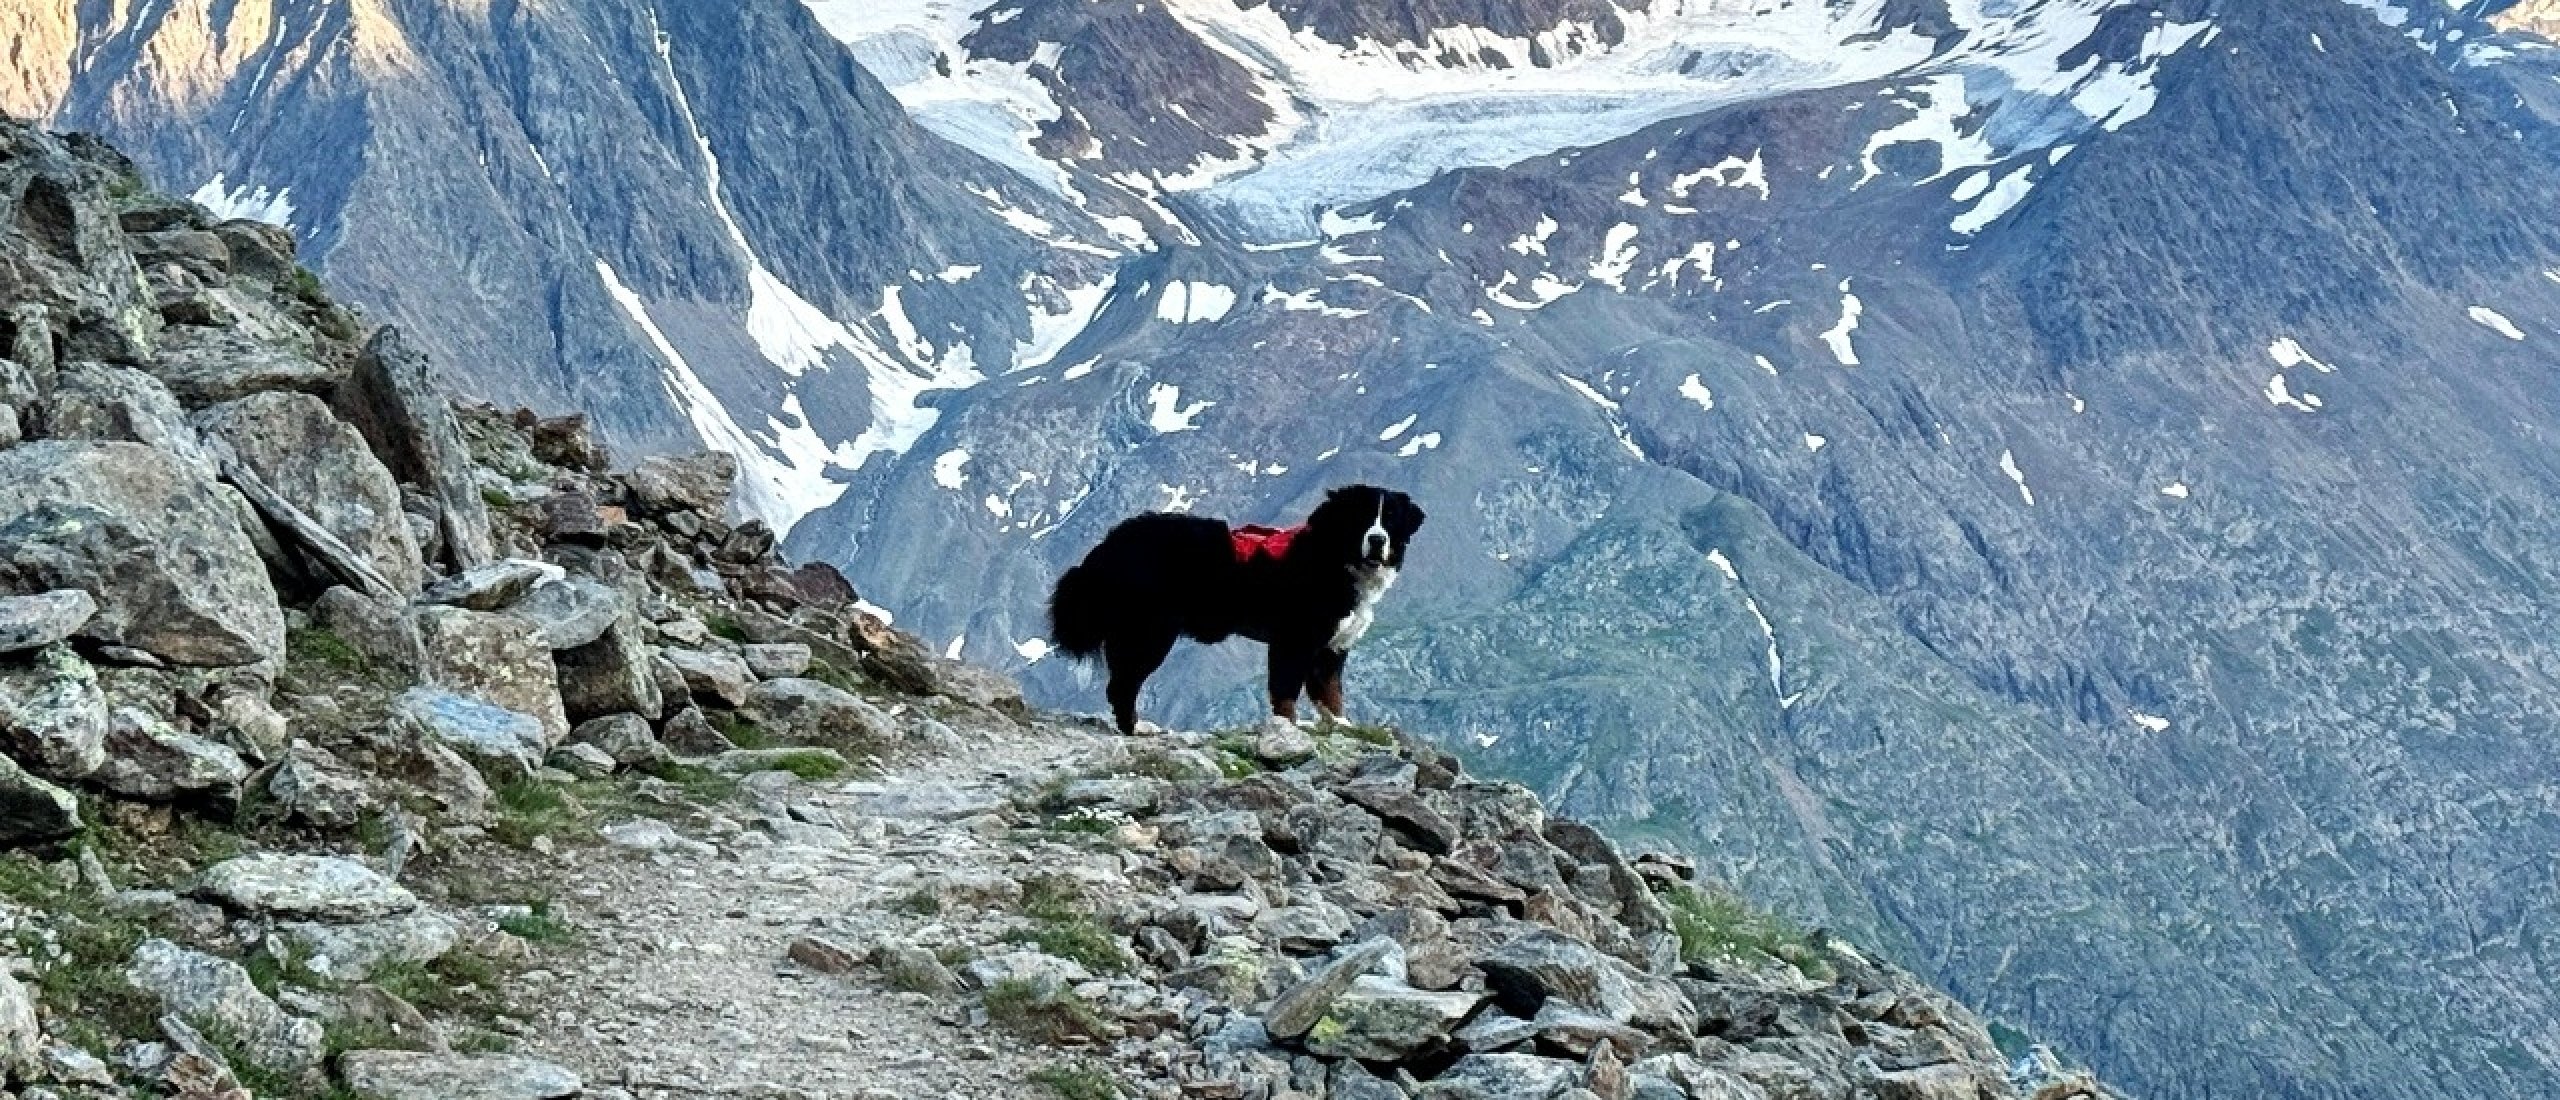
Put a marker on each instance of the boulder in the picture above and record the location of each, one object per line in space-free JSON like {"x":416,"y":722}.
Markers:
{"x":381,"y":633}
{"x":1544,"y":964}
{"x":1946,"y":1081}
{"x":1403,"y":809}
{"x":415,"y":1075}
{"x":496,"y":586}
{"x":776,"y":660}
{"x":160,"y":547}
{"x":319,"y":464}
{"x":285,"y":885}
{"x":149,"y":760}
{"x":572,"y":611}
{"x":807,"y":710}
{"x":701,"y":481}
{"x":1280,"y":743}
{"x":1383,"y":1021}
{"x":582,"y":760}
{"x":611,"y":675}
{"x":498,"y":658}
{"x":20,"y":1035}
{"x":1292,"y":1013}
{"x":34,"y":622}
{"x":74,"y":276}
{"x":103,"y":403}
{"x":32,"y":809}
{"x":1502,"y":1077}
{"x":625,"y":739}
{"x":712,"y":675}
{"x":311,"y":786}
{"x":396,"y":400}
{"x":216,"y":995}
{"x":208,"y":366}
{"x":504,"y":743}
{"x":352,"y":952}
{"x":53,"y":716}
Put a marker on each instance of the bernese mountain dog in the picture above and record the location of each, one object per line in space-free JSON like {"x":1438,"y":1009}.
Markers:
{"x":1307,"y":592}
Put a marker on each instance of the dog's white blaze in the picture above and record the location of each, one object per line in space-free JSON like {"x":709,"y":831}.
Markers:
{"x":1373,"y":585}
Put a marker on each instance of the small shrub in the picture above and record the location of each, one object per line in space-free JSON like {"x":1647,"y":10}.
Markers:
{"x":1041,"y":1015}
{"x":319,"y":647}
{"x":1236,"y":765}
{"x":1051,"y":897}
{"x":1079,"y":1081}
{"x":826,"y":672}
{"x":1720,"y":927}
{"x":811,"y":765}
{"x":1080,"y":939}
{"x":539,"y":926}
{"x":496,"y":497}
{"x":740,"y":731}
{"x":1379,"y":736}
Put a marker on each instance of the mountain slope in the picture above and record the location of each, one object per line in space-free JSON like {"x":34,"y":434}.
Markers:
{"x":2087,"y":494}
{"x":668,"y":215}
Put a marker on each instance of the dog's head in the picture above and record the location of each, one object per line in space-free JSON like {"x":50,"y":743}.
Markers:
{"x":1365,"y":525}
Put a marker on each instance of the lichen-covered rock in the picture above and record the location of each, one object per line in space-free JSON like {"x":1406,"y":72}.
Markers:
{"x":20,"y":1034}
{"x":495,"y":586}
{"x":150,"y":760}
{"x":395,"y":399}
{"x":613,"y":674}
{"x":701,"y":481}
{"x":37,"y":621}
{"x":505,"y":743}
{"x":496,"y":657}
{"x":206,"y":366}
{"x":217,"y":996}
{"x":159,"y":546}
{"x":413,"y":1075}
{"x":352,"y":952}
{"x":53,"y":716}
{"x":808,"y":710}
{"x":571,"y":611}
{"x":322,"y":888}
{"x":32,"y":809}
{"x":707,"y":675}
{"x":317,"y":462}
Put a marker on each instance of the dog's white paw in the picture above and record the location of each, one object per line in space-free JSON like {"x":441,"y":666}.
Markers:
{"x":1149,"y":729}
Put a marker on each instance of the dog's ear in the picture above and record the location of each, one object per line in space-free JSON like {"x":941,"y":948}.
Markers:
{"x":1404,"y":517}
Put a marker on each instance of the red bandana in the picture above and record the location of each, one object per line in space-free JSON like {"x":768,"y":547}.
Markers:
{"x":1254,"y":539}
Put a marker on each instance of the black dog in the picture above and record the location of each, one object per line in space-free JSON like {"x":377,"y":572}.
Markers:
{"x":1307,"y":592}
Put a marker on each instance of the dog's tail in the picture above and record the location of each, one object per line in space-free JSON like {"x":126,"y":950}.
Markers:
{"x":1080,"y":613}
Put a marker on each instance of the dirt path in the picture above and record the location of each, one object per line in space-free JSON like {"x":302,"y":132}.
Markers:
{"x":683,"y":985}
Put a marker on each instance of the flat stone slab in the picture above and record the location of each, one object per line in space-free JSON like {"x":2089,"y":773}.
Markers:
{"x":34,"y":622}
{"x":323,"y":888}
{"x":409,"y":1075}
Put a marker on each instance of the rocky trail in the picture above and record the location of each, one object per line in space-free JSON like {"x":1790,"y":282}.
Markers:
{"x":357,"y":741}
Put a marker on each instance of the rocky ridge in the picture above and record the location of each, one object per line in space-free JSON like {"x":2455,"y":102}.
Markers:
{"x":316,"y":685}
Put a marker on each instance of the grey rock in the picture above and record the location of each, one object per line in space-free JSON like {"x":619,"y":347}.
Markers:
{"x":1133,"y":795}
{"x":150,"y":760}
{"x":913,"y":969}
{"x":625,"y":739}
{"x":53,"y":716}
{"x":583,"y":760}
{"x":776,"y":660}
{"x":690,"y":733}
{"x":503,"y":742}
{"x":353,"y":952}
{"x":159,"y":546}
{"x":1502,"y":1077}
{"x":311,"y":786}
{"x":20,"y":1034}
{"x":206,"y":366}
{"x":1305,"y":928}
{"x":1281,"y":743}
{"x":1573,"y":1031}
{"x":651,"y":835}
{"x":104,"y":403}
{"x":1939,"y":1082}
{"x":701,"y":481}
{"x":498,"y":658}
{"x":1401,"y":807}
{"x":496,"y":586}
{"x":399,"y":404}
{"x":1495,"y":1030}
{"x":1292,"y":1013}
{"x":32,"y":809}
{"x":320,"y":888}
{"x":1047,"y":973}
{"x":717,"y":676}
{"x":1381,"y":1021}
{"x":572,"y":611}
{"x":1543,"y":964}
{"x":431,"y":767}
{"x":383,"y":634}
{"x":813,"y":711}
{"x":33,"y":622}
{"x":613,"y":674}
{"x":413,"y":1075}
{"x":70,"y":1065}
{"x":319,"y":464}
{"x":216,"y":994}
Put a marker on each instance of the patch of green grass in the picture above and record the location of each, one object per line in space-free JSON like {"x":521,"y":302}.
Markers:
{"x":1042,"y":1015}
{"x":539,"y":926}
{"x":267,"y":1081}
{"x":1077,"y":1081}
{"x":125,"y":187}
{"x":699,"y":784}
{"x":921,"y":903}
{"x":1380,"y":736}
{"x":530,"y":808}
{"x":726,"y":626}
{"x":826,"y":672}
{"x":1237,"y":765}
{"x":82,"y":985}
{"x":496,"y":497}
{"x":740,"y":731}
{"x":1064,"y":927}
{"x":318,"y":647}
{"x":811,"y":764}
{"x":1172,"y":767}
{"x":461,"y":984}
{"x":955,"y":954}
{"x":1717,"y":926}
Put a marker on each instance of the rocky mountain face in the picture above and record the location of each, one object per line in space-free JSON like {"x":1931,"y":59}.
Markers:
{"x":310,"y":674}
{"x":694,"y":222}
{"x":2052,"y":494}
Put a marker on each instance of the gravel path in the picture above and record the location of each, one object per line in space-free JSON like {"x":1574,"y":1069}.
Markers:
{"x":683,"y":985}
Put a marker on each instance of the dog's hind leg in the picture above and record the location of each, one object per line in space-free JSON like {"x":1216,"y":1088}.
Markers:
{"x":1325,"y":684}
{"x":1132,"y":658}
{"x":1290,"y":665}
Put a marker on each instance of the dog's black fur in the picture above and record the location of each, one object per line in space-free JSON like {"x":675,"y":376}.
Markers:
{"x":1161,"y":576}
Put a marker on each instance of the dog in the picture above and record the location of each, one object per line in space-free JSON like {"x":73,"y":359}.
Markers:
{"x":1308,"y":592}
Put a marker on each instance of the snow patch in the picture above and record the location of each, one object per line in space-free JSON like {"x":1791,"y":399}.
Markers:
{"x":948,"y":469}
{"x":1838,"y":336}
{"x":2009,"y":466}
{"x":256,"y":204}
{"x":1192,"y":303}
{"x":1167,"y":414}
{"x":1695,"y":390}
{"x":2496,"y":322}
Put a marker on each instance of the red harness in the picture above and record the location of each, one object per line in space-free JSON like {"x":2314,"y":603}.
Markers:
{"x":1252,"y":540}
